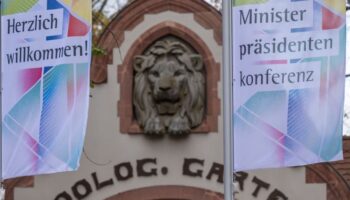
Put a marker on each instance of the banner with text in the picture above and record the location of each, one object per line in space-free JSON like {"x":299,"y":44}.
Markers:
{"x":45,"y":51}
{"x":289,"y":66}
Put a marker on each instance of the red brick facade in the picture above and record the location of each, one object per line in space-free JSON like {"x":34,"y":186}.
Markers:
{"x":134,"y":13}
{"x":125,"y":76}
{"x":336,"y":175}
{"x":168,"y":193}
{"x":130,"y":17}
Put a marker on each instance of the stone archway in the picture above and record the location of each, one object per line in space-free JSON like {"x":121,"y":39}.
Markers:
{"x":168,"y":193}
{"x":336,"y":175}
{"x":132,"y":16}
{"x":125,"y":75}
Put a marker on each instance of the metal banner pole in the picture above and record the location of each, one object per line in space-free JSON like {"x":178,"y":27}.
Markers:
{"x":2,"y":189}
{"x":227,"y":99}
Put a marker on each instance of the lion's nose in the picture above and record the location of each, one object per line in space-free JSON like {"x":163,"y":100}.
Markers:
{"x":165,"y":84}
{"x":165,"y":87}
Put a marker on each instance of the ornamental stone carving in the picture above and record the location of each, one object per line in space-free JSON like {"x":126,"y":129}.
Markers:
{"x":169,"y":88}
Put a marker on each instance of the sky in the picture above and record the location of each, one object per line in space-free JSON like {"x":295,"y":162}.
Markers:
{"x":113,"y":6}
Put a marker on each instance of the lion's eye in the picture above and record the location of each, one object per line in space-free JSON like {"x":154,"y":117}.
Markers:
{"x":178,"y":73}
{"x":155,"y":73}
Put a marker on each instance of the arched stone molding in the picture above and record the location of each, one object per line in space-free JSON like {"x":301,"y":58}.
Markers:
{"x":133,"y":14}
{"x":336,"y":175}
{"x":125,"y":76}
{"x":337,"y":188}
{"x":168,"y":193}
{"x":11,"y":184}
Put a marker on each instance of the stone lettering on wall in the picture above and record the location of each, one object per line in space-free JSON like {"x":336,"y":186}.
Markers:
{"x":147,"y":167}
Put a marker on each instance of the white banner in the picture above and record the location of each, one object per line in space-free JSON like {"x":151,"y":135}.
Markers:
{"x":289,"y":63}
{"x":45,"y":51}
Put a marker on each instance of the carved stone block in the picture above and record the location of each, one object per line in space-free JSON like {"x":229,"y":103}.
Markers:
{"x":169,"y":88}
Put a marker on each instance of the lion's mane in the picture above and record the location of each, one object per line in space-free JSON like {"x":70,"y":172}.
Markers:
{"x":192,"y":105}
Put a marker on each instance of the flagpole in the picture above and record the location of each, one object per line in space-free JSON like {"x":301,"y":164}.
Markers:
{"x":227,"y":99}
{"x":2,"y":189}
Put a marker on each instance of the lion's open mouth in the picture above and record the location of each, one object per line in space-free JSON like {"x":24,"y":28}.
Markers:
{"x":167,"y":108}
{"x":166,"y":97}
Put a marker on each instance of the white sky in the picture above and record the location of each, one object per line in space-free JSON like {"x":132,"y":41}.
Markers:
{"x":348,"y":42}
{"x":113,"y":6}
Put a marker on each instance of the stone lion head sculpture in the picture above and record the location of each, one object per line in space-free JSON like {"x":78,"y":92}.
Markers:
{"x":169,"y":88}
